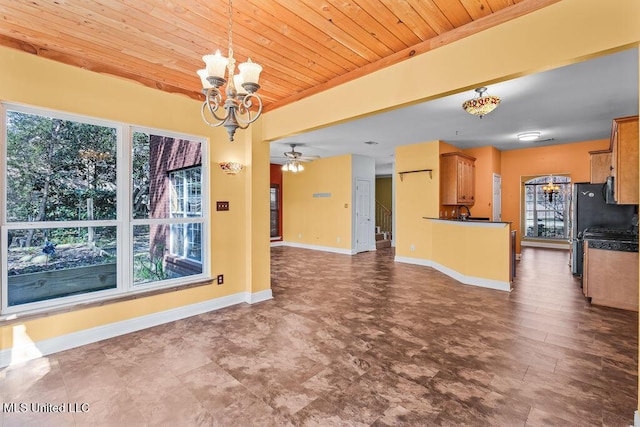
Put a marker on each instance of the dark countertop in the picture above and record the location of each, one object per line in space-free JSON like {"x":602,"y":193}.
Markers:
{"x":613,"y":245}
{"x":474,"y":221}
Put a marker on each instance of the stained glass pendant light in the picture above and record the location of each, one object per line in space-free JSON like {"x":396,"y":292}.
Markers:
{"x":482,"y":104}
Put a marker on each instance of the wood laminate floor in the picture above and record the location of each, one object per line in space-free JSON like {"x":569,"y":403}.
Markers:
{"x":357,"y":341}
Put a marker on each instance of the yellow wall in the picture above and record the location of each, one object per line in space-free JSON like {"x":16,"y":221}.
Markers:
{"x":417,"y":196}
{"x":476,"y":251}
{"x":235,"y":235}
{"x":572,"y":159}
{"x":318,"y":221}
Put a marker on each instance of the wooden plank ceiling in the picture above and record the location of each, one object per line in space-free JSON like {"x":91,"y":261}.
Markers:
{"x":304,"y":46}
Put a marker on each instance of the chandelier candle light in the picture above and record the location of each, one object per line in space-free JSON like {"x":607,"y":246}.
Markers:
{"x":482,"y":104}
{"x":550,"y":189}
{"x":240,"y":90}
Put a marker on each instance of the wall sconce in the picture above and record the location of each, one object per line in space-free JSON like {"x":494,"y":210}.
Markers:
{"x":231,"y":168}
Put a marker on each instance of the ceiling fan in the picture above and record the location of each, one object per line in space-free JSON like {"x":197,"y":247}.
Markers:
{"x":294,"y":159}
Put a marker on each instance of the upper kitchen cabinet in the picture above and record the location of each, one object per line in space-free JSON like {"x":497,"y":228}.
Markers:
{"x":624,"y":160}
{"x":600,"y":165}
{"x":457,"y":179}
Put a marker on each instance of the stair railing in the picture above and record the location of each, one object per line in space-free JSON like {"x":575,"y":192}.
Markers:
{"x":383,"y":218}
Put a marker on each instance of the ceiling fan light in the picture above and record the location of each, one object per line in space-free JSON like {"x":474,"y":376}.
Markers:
{"x":528,"y":136}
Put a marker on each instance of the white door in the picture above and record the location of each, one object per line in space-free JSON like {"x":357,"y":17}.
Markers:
{"x":363,"y":215}
{"x":497,"y":197}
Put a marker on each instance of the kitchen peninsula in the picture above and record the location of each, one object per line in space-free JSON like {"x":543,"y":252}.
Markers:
{"x":478,"y":253}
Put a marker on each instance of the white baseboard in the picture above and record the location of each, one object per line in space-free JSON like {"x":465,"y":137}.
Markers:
{"x":467,"y":280}
{"x":31,"y":350}
{"x":252,"y":298}
{"x":636,"y":419}
{"x":416,"y":261}
{"x":543,"y":244}
{"x":277,"y":243}
{"x":320,"y":248}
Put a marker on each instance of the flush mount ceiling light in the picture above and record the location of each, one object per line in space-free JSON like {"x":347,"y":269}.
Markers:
{"x":528,"y":136}
{"x":482,"y":104}
{"x":241,"y":98}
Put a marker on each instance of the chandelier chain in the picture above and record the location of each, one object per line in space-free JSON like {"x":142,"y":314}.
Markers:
{"x":230,"y":28}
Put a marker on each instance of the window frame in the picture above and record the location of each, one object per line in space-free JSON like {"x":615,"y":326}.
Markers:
{"x":124,"y":221}
{"x":184,"y":211}
{"x":566,"y":206}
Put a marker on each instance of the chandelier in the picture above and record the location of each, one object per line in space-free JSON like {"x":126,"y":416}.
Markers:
{"x":242,"y":106}
{"x":293,"y":166}
{"x":482,"y":104}
{"x":550,"y":189}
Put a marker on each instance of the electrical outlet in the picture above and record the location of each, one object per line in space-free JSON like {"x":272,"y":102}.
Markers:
{"x":412,"y":248}
{"x":220,"y":279}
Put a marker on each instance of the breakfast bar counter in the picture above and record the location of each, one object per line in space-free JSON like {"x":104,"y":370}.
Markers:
{"x":474,"y":252}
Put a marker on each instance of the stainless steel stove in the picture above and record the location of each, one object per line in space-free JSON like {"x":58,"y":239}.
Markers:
{"x":611,"y":239}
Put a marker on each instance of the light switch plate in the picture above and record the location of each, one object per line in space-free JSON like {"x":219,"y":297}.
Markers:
{"x":222,"y":206}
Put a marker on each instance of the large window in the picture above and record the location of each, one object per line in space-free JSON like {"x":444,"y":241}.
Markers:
{"x":546,"y":214}
{"x":88,"y":209}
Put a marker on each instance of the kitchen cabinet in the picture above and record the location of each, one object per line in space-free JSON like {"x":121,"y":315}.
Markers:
{"x":610,"y":277}
{"x":624,"y":160}
{"x":457,"y":179}
{"x":600,"y":166}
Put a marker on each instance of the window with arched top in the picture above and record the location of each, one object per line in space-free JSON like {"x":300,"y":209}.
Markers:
{"x":546,"y":207}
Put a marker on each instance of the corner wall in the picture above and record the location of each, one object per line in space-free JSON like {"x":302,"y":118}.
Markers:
{"x":417,"y":196}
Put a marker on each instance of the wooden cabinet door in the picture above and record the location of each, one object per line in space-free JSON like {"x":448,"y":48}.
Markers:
{"x":457,"y":179}
{"x":466,"y":181}
{"x":624,"y":157}
{"x":600,"y":166}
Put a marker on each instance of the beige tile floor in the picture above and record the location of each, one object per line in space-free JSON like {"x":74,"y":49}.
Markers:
{"x":357,"y":341}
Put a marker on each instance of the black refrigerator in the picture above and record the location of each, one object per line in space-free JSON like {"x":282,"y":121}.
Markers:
{"x":589,"y":210}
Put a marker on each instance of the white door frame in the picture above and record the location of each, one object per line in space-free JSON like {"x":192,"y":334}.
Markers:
{"x":364,"y":226}
{"x":497,"y":198}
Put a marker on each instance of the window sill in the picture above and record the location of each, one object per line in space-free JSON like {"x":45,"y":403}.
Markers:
{"x":10,"y":319}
